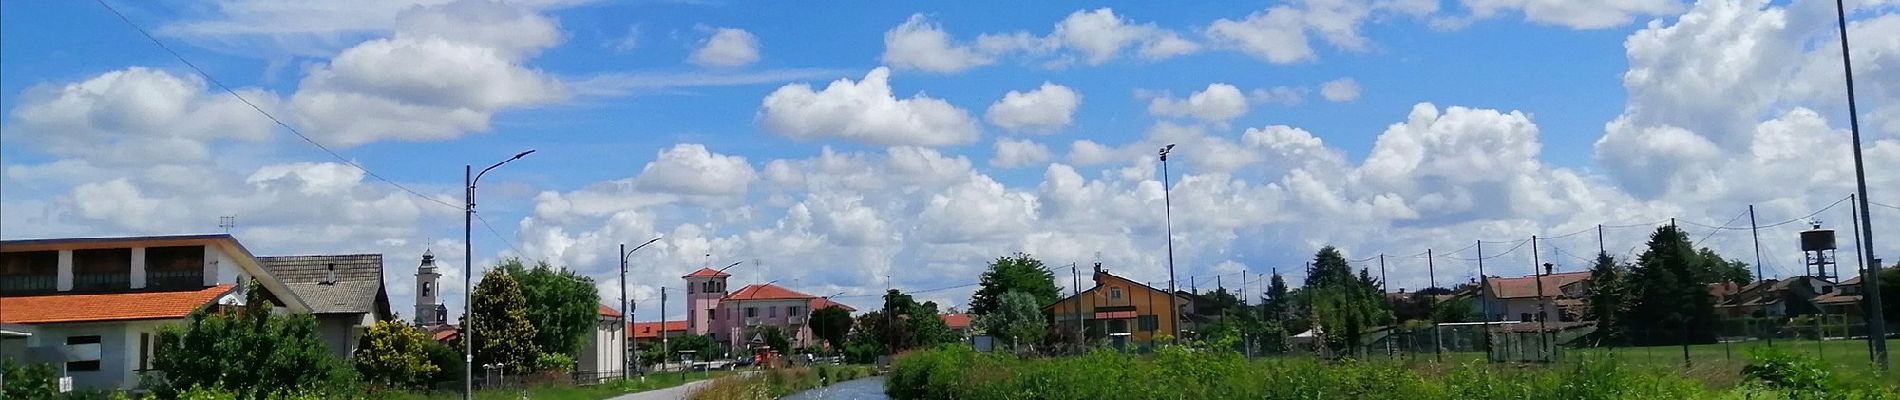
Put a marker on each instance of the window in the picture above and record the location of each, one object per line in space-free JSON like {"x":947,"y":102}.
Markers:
{"x":29,"y":271}
{"x":1150,"y":323}
{"x":689,"y":289}
{"x":1117,"y":326}
{"x":176,"y":266}
{"x":1524,"y":317}
{"x":751,"y":312}
{"x":425,"y":289}
{"x":72,"y":340}
{"x":710,"y":314}
{"x":1115,"y":292}
{"x":82,"y":366}
{"x":145,"y":351}
{"x":102,"y":269}
{"x":792,"y":311}
{"x":771,"y":312}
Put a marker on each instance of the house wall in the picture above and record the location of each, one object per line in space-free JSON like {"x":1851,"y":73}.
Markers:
{"x":602,"y":354}
{"x":1146,"y":302}
{"x":118,"y":350}
{"x":733,"y":328}
{"x":1513,"y":309}
{"x":340,"y":332}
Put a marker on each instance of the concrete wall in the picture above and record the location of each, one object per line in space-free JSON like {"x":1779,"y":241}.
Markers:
{"x":340,"y":332}
{"x":117,"y":350}
{"x":602,"y":353}
{"x":735,"y":329}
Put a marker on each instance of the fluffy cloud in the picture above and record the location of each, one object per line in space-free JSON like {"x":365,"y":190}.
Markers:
{"x":865,"y":111}
{"x":1012,"y":153}
{"x":1340,"y":90}
{"x":728,"y":47}
{"x":1093,"y":37}
{"x":446,"y":71}
{"x":691,"y":169}
{"x":1218,"y":103}
{"x":1045,"y":109}
{"x":1574,"y":14}
{"x":137,"y":116}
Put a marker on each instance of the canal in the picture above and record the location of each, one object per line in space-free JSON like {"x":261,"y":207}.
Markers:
{"x":871,"y":388}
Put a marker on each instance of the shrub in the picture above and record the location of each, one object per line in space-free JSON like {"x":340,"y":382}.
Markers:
{"x":30,"y":381}
{"x":394,"y":355}
{"x":250,"y":351}
{"x":555,"y":362}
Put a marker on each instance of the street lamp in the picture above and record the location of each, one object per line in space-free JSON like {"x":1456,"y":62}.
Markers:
{"x":1167,"y":210}
{"x":626,"y":314}
{"x":468,"y":272}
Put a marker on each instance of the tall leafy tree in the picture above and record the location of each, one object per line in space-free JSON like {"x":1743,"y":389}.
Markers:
{"x":927,"y":326}
{"x":1018,"y":319}
{"x":1015,"y":273}
{"x":502,"y":331}
{"x":831,"y":324}
{"x":1609,"y":298}
{"x":1342,"y":305}
{"x":394,"y":355}
{"x":1275,"y":303}
{"x":1670,"y":300}
{"x":776,"y":338}
{"x":562,"y":305}
{"x":251,"y":352}
{"x":1890,"y":292}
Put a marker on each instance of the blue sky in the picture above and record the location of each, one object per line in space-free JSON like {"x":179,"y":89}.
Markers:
{"x":717,"y":125}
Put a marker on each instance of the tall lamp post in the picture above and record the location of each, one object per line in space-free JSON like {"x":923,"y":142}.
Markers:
{"x":468,"y":272}
{"x":1869,"y":281}
{"x":629,"y":347}
{"x":1167,"y":211}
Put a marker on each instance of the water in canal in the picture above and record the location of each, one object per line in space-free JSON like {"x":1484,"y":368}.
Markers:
{"x":871,"y":388}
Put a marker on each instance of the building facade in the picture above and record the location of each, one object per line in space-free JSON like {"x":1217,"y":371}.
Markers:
{"x":93,"y":306}
{"x":735,"y":319}
{"x":601,"y":359}
{"x":345,"y":293}
{"x":1119,"y":310}
{"x":1559,"y":297}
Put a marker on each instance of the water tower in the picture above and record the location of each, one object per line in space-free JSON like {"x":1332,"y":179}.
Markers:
{"x":1818,"y":245}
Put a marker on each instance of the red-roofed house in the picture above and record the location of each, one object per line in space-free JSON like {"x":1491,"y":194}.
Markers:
{"x":959,"y":322}
{"x":1518,"y":298}
{"x":734,"y":318}
{"x":93,"y":306}
{"x":602,"y":358}
{"x":646,"y":333}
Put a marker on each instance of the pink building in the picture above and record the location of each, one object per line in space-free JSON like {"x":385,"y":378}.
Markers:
{"x":734,"y":318}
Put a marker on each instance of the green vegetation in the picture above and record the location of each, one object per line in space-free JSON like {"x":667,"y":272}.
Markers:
{"x":394,"y":355}
{"x":249,"y":351}
{"x":1015,"y":273}
{"x":831,"y":324}
{"x":1017,"y":319}
{"x":562,"y":305}
{"x":954,"y":372}
{"x":503,"y":332}
{"x":776,"y":383}
{"x":1344,"y":306}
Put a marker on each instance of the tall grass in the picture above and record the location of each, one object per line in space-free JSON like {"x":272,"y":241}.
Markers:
{"x":1176,"y":373}
{"x":776,"y":383}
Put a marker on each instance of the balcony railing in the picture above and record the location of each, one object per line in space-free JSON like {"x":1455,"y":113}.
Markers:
{"x":752,"y":321}
{"x":795,"y":320}
{"x":174,"y":279}
{"x":15,"y":284}
{"x":101,"y":281}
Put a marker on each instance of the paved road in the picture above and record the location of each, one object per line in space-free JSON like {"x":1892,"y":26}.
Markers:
{"x":672,"y":393}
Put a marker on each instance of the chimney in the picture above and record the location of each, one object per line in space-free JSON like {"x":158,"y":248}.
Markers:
{"x":330,"y":275}
{"x":1548,"y":267}
{"x":1098,"y":273}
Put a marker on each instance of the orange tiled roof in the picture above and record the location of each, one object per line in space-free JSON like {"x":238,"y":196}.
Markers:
{"x":609,"y":312}
{"x":766,"y":292}
{"x":821,"y":303}
{"x":647,"y":330}
{"x":1526,"y":286}
{"x":957,"y":321}
{"x":59,"y":308}
{"x":707,"y":273}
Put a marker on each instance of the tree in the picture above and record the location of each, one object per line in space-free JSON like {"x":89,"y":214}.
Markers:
{"x":869,"y":340}
{"x":1457,"y":309}
{"x":831,"y":324}
{"x":448,"y":360}
{"x":1609,"y":298}
{"x":502,"y":331}
{"x":1017,"y":319}
{"x":1670,"y":300}
{"x":704,"y":348}
{"x":1017,"y":273}
{"x":927,"y":327}
{"x":775,"y":338}
{"x":394,"y":355}
{"x":1275,"y":304}
{"x":1715,"y":269}
{"x":1890,"y":292}
{"x":249,"y":351}
{"x":1344,"y":307}
{"x":562,"y":305}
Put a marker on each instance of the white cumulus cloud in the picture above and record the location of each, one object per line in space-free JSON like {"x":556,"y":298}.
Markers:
{"x":1045,"y":109}
{"x":727,"y":47}
{"x":1340,"y":90}
{"x":1218,"y":103}
{"x":865,"y":111}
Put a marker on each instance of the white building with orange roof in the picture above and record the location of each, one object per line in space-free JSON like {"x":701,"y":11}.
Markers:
{"x":735,"y":318}
{"x":93,"y":306}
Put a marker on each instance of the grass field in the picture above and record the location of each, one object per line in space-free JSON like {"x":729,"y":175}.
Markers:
{"x":1721,"y":359}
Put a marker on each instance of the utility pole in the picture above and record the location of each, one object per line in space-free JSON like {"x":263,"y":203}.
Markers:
{"x":1484,"y":286}
{"x":468,"y":271}
{"x":1876,"y":324}
{"x":1438,"y":340}
{"x":1600,"y":249}
{"x":1382,"y":288}
{"x":1543,"y":303}
{"x":666,"y":350}
{"x":1075,"y":291}
{"x":631,"y":347}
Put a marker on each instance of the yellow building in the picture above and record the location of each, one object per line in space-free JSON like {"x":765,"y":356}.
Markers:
{"x":1117,"y":309}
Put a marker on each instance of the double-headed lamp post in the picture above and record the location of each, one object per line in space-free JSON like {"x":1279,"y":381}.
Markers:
{"x":1167,"y":211}
{"x":629,"y":347}
{"x":468,"y":272}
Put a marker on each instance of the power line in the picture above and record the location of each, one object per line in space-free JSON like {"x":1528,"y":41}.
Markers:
{"x":491,"y":230}
{"x":1713,"y":232}
{"x":260,"y":110}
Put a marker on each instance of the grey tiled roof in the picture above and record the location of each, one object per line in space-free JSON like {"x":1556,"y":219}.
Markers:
{"x":358,"y":287}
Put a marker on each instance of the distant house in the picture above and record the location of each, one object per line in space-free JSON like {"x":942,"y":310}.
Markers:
{"x":733,"y":319}
{"x":649,"y":333}
{"x":345,"y":293}
{"x":1844,"y":300}
{"x":1518,"y":299}
{"x":1776,"y":298}
{"x":601,"y":359}
{"x":93,"y":306}
{"x":1117,"y":309}
{"x":961,"y":323}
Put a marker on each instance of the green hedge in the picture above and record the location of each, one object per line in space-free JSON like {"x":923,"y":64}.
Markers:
{"x":954,"y":372}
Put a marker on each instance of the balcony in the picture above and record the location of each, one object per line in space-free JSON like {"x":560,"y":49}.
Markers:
{"x":89,"y":282}
{"x":174,"y":279}
{"x":15,"y":284}
{"x":795,"y":320}
{"x":752,"y":321}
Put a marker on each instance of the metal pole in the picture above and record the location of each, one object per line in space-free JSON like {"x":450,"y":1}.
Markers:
{"x":665,"y":347}
{"x":1075,"y":291}
{"x":1600,"y":249}
{"x":1167,"y":210}
{"x":624,"y":317}
{"x":1438,"y":340}
{"x":468,"y":286}
{"x":1484,"y":286}
{"x":1543,"y":302}
{"x":1876,"y":322}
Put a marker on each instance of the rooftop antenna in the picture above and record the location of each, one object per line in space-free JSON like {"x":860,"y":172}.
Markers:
{"x":227,"y":222}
